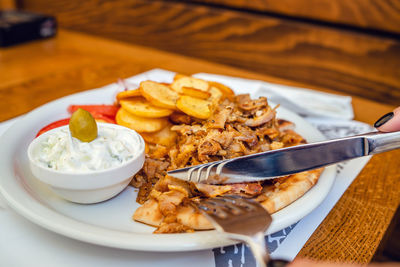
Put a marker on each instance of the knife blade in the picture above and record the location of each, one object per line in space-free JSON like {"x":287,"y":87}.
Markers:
{"x":286,"y":161}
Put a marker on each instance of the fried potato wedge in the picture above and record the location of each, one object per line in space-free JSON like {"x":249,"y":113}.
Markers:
{"x":139,"y":106}
{"x":190,"y":91}
{"x":194,"y":107}
{"x":216,"y":96}
{"x":178,"y":76}
{"x":128,"y":93}
{"x":189,"y":82}
{"x":158,"y":94}
{"x":164,"y":137}
{"x":140,"y":124}
{"x":225,"y":90}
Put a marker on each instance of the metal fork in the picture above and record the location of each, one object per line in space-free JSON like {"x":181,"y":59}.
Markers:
{"x":243,"y":220}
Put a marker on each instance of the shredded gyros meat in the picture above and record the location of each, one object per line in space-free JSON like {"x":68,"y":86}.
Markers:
{"x":238,"y":127}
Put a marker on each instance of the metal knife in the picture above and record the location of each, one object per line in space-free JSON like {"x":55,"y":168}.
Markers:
{"x":286,"y":161}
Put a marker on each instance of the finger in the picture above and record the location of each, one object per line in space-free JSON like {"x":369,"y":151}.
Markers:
{"x":389,"y":123}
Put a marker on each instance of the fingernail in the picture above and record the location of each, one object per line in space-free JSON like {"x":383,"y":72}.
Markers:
{"x":382,"y":120}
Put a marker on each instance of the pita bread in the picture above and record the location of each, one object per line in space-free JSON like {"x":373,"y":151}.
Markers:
{"x":189,"y":216}
{"x":149,"y":213}
{"x":274,"y":197}
{"x":279,"y":195}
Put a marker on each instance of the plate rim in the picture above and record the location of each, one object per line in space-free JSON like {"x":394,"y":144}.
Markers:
{"x":112,"y":238}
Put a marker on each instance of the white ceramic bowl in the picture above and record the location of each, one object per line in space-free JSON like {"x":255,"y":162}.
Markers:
{"x":88,"y":187}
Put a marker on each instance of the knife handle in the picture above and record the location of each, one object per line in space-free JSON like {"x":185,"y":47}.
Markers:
{"x":379,"y":142}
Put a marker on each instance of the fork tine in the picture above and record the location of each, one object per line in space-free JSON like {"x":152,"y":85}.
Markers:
{"x":189,"y":173}
{"x":241,"y":219}
{"x":248,"y":204}
{"x":227,"y":205}
{"x":211,"y":209}
{"x":195,"y":174}
{"x":208,"y":172}
{"x":199,"y":172}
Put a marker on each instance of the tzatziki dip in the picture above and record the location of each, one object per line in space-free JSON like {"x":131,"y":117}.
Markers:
{"x":112,"y":147}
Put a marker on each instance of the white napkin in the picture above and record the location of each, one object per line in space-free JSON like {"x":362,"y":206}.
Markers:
{"x":305,"y":102}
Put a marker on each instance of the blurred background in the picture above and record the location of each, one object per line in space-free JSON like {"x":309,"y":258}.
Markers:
{"x":349,"y":46}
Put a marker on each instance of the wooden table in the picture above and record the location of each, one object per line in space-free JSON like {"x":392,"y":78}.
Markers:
{"x":38,"y":72}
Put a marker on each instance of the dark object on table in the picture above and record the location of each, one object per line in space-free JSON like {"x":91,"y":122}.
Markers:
{"x":19,"y":26}
{"x":389,"y":248}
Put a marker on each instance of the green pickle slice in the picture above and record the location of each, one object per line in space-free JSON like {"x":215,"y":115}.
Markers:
{"x":83,"y":126}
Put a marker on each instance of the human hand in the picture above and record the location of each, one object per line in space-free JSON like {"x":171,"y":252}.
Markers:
{"x":389,"y":122}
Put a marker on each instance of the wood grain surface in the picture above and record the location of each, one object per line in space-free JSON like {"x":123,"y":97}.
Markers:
{"x":373,"y":198}
{"x":35,"y":73}
{"x":346,"y":61}
{"x":383,"y":15}
{"x":7,"y":4}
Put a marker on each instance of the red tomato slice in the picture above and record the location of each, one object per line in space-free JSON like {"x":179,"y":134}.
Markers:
{"x":101,"y":113}
{"x":59,"y":123}
{"x":53,"y":125}
{"x":106,"y":110}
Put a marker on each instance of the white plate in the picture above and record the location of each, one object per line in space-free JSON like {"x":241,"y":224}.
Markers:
{"x":109,"y":223}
